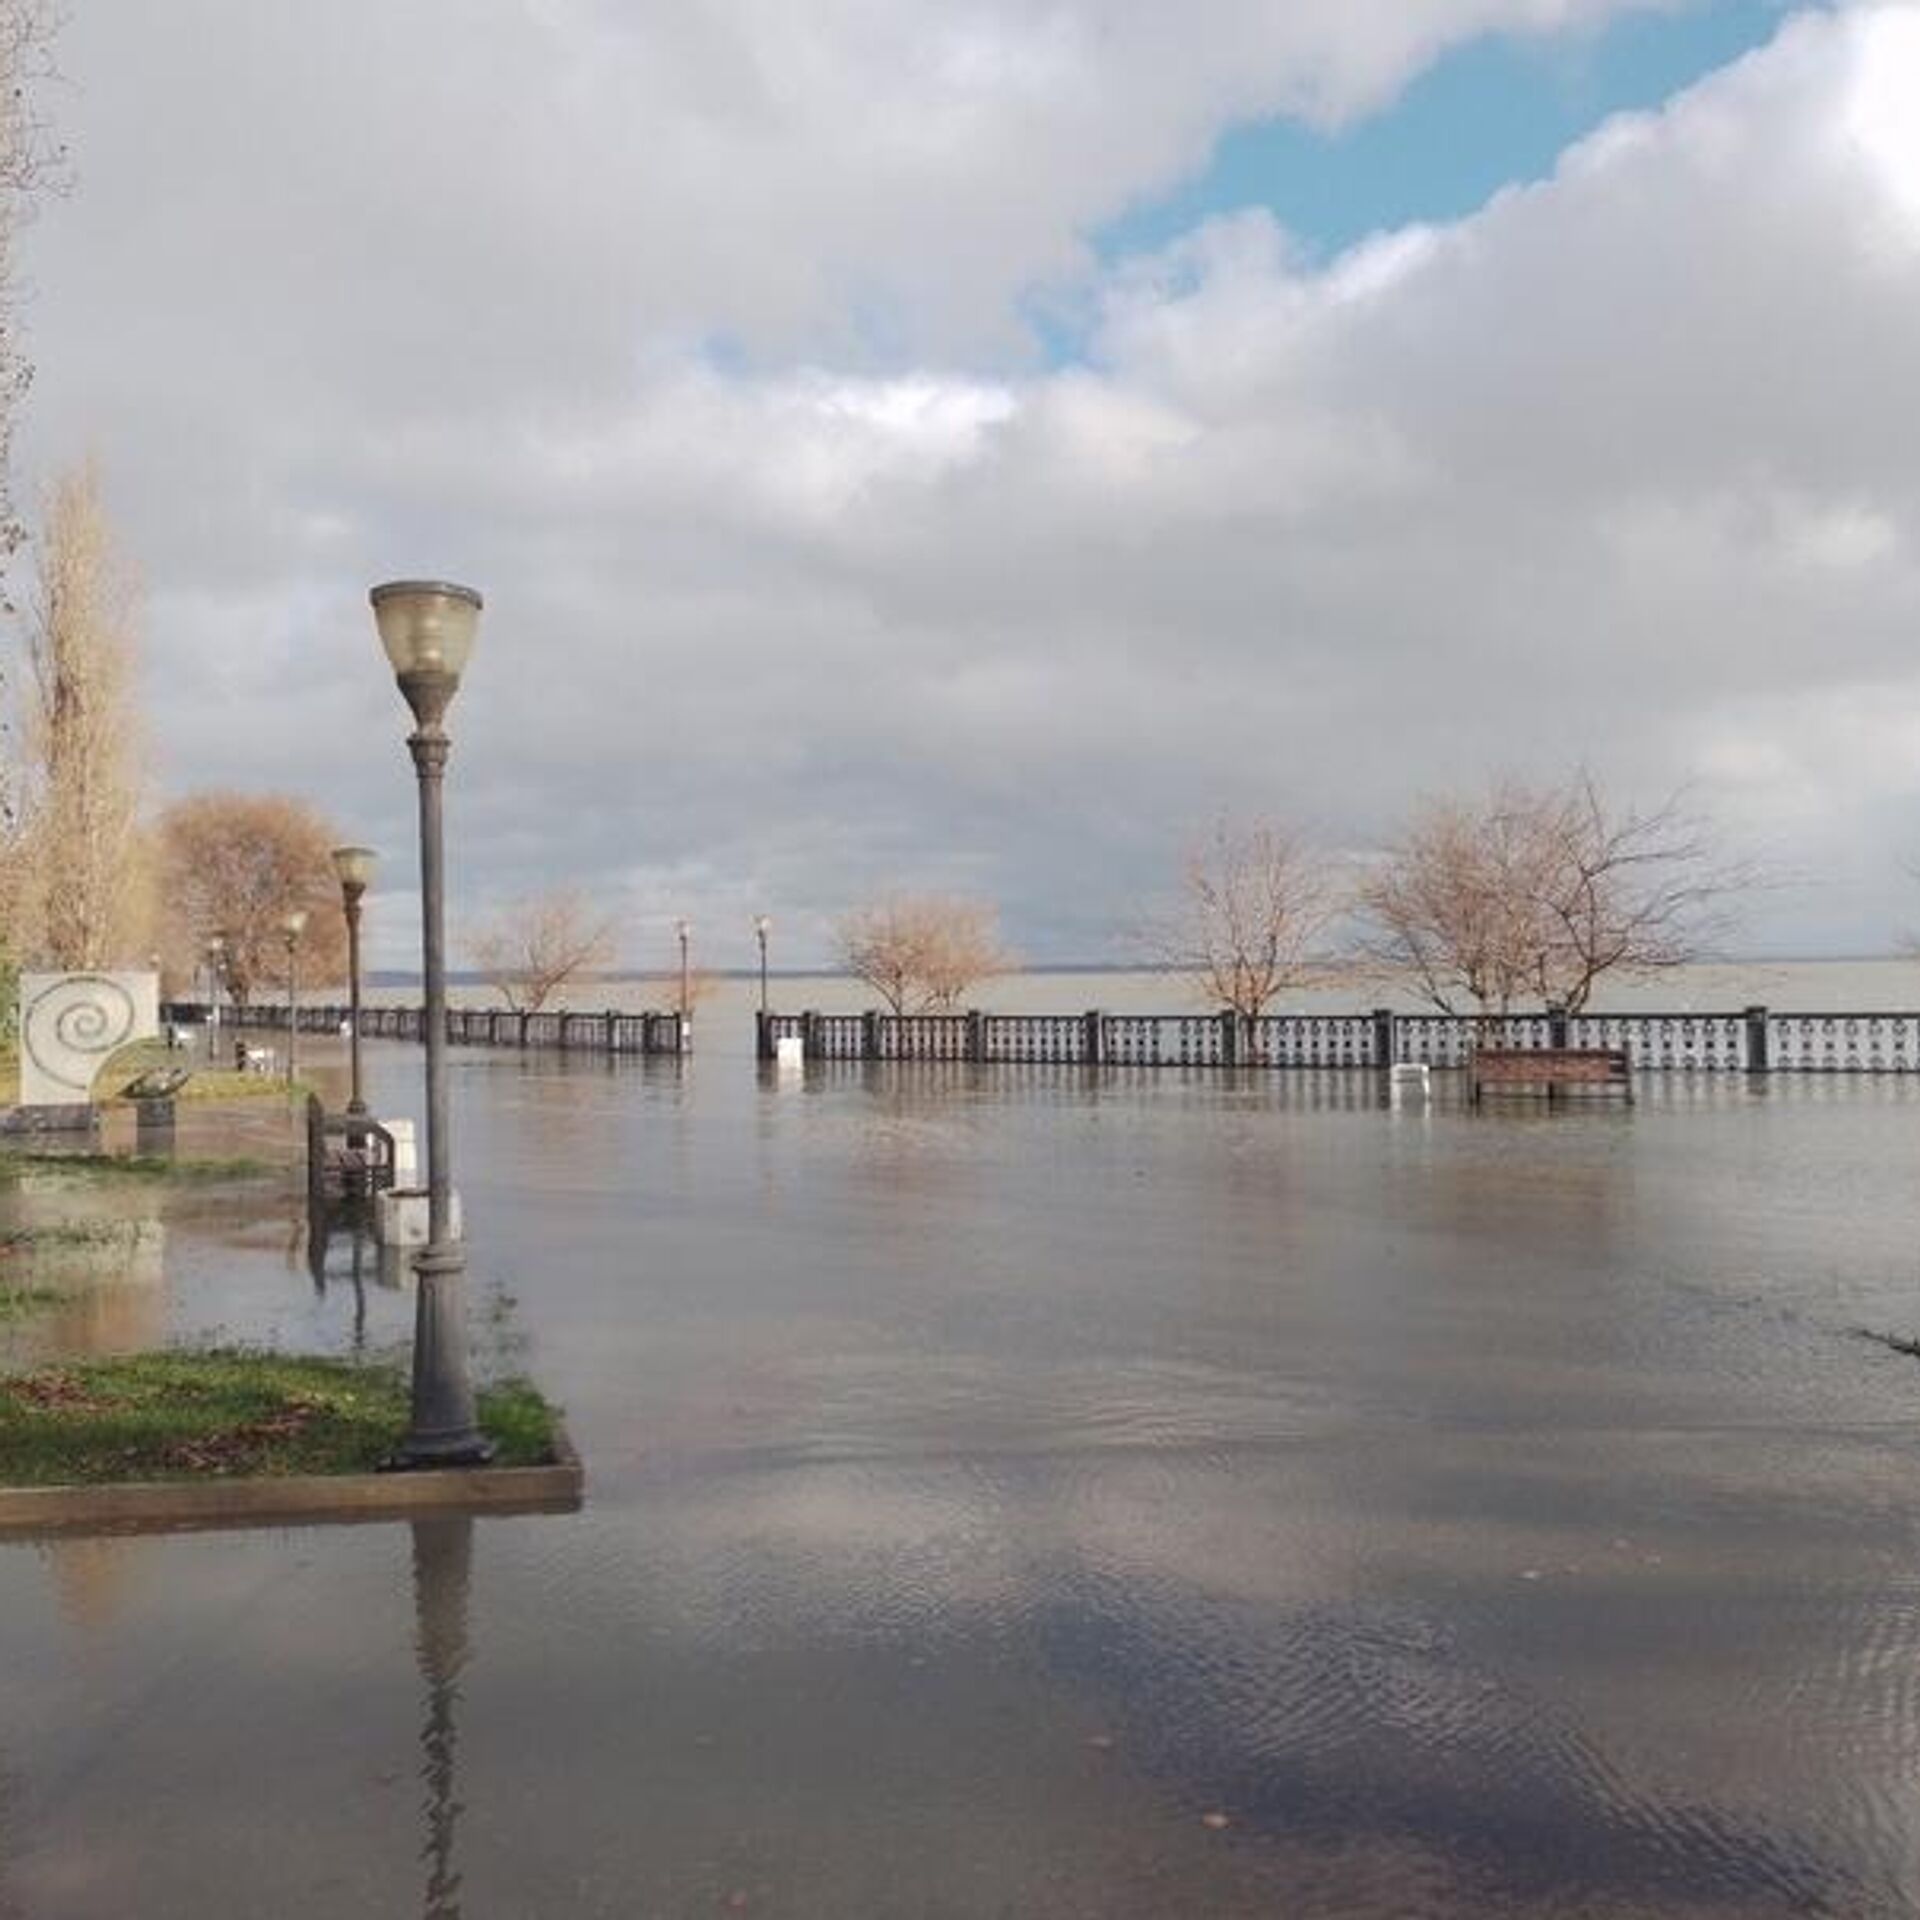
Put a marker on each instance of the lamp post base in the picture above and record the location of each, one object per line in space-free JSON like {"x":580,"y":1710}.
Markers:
{"x":443,"y":1432}
{"x":422,"y":1452}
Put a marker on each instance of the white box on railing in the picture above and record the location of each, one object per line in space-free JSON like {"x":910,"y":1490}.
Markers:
{"x":406,"y":1167}
{"x":400,"y":1217}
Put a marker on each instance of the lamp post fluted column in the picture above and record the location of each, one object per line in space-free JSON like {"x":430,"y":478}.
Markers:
{"x":216,"y":951}
{"x":291,"y":929}
{"x":761,"y":927}
{"x":427,"y":629}
{"x":354,"y":865}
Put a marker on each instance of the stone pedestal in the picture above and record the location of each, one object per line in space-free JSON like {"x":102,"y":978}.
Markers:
{"x":400,"y":1217}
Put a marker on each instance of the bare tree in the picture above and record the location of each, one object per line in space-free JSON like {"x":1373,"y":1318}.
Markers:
{"x":1537,"y":894}
{"x":921,"y":951}
{"x":1256,"y":903}
{"x":85,"y":895}
{"x":531,"y":949}
{"x":237,"y":864}
{"x":1453,"y":903}
{"x":31,"y":162}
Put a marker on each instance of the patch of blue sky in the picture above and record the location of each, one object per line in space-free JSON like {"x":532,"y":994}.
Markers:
{"x":1496,"y":111}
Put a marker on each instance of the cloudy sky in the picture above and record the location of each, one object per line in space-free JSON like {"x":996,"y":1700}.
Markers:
{"x":972,"y":443}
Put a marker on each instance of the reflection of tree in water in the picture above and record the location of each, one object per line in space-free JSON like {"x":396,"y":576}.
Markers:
{"x":442,"y":1573}
{"x":92,"y":1574}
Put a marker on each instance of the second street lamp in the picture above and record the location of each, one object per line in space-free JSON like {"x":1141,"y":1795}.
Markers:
{"x":354,"y":865}
{"x":762,"y":926}
{"x":427,"y":628}
{"x":216,"y":952}
{"x":291,"y":929}
{"x":684,"y":928}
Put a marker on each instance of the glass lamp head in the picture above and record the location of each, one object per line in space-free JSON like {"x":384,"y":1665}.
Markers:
{"x":295,"y":923}
{"x":427,"y":628}
{"x":354,"y":865}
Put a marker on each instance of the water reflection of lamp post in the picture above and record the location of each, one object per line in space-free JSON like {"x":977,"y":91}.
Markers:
{"x":354,"y":865}
{"x":684,"y":928}
{"x":762,"y":926}
{"x":427,"y":628}
{"x":291,"y":928}
{"x":442,"y":1577}
{"x":216,"y":948}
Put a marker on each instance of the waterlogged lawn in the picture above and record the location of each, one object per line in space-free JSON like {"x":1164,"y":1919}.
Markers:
{"x":141,"y":1166}
{"x":228,"y":1412}
{"x":206,"y":1081}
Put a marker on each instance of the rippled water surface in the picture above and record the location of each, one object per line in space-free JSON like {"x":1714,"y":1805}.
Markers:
{"x":1030,"y":1493}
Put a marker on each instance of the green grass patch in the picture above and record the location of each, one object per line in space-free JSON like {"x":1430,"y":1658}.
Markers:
{"x":228,"y":1413}
{"x":17,"y":1302}
{"x":67,"y":1233}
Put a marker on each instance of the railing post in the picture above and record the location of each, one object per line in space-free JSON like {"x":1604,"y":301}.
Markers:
{"x":809,"y":1036}
{"x":1383,"y":1038}
{"x":762,"y":1034}
{"x":1094,"y":1047}
{"x":976,"y":1035}
{"x":1229,"y":1037}
{"x":870,"y":1035}
{"x":1557,"y":1028}
{"x":1757,"y":1060}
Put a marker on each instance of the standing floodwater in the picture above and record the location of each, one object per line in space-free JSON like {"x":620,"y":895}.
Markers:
{"x":1030,"y":1493}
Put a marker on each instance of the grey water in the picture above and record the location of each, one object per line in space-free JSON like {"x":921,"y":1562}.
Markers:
{"x":1030,"y":1492}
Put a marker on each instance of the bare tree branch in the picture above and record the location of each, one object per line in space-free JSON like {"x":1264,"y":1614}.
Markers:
{"x":922,"y":951}
{"x":237,"y":864}
{"x":1257,"y":906}
{"x":1537,"y":894}
{"x":534,"y":947}
{"x":87,"y":899}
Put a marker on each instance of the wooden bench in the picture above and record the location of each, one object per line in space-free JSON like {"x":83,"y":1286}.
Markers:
{"x":1550,"y":1068}
{"x":350,"y":1157}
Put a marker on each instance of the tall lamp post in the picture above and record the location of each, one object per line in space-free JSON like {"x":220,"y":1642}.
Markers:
{"x":354,"y":865}
{"x":427,"y":628}
{"x":216,"y":951}
{"x":291,"y":928}
{"x":684,"y":928}
{"x":762,"y":926}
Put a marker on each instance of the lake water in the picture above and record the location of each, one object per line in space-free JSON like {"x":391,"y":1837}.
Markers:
{"x":1020,"y":1492}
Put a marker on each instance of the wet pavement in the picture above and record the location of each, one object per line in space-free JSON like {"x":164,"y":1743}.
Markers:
{"x":1024,"y":1492}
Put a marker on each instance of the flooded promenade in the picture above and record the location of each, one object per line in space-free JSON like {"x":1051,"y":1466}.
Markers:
{"x":1050,"y":1493}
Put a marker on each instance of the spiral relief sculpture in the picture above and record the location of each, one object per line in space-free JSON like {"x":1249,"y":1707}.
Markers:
{"x":71,"y":1022}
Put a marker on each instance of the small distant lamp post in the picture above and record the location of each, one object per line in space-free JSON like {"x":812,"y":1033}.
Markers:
{"x":355,"y":866}
{"x":216,"y":951}
{"x":427,"y":629}
{"x":684,"y":928}
{"x":291,"y":928}
{"x":762,"y":926}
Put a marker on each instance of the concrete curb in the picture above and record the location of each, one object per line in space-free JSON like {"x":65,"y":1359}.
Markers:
{"x":179,"y":1506}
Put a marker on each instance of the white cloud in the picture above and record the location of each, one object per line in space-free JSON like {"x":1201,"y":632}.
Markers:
{"x":1620,"y":467}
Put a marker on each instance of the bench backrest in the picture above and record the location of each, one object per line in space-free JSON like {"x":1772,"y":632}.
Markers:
{"x":1550,"y":1063}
